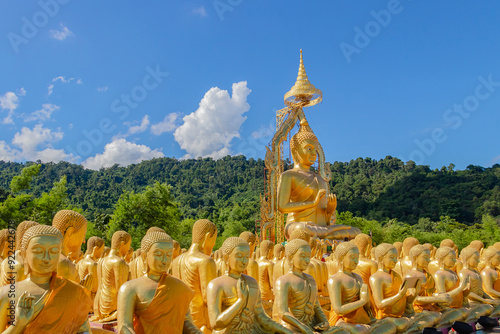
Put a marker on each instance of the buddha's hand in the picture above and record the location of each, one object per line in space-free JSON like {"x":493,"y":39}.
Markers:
{"x":322,"y":326}
{"x":363,"y":293}
{"x":242,"y":289}
{"x":404,"y":288}
{"x":321,"y":193}
{"x":444,"y":299}
{"x":464,"y":284}
{"x":332,"y":203}
{"x":24,"y":310}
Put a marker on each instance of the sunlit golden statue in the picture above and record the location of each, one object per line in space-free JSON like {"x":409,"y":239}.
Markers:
{"x":350,"y":298}
{"x":44,"y":303}
{"x":196,"y":268}
{"x":366,"y":266}
{"x":155,"y":302}
{"x":4,"y":243}
{"x":88,"y":266}
{"x":177,"y":249}
{"x":490,"y":273}
{"x":404,"y":263}
{"x":296,"y":294}
{"x":266,"y":275}
{"x":427,"y":300}
{"x":477,"y":296}
{"x":234,"y":300}
{"x":434,"y":265}
{"x":304,"y":195}
{"x":137,"y":267}
{"x":14,"y":271}
{"x":391,"y":294}
{"x":113,"y":272}
{"x":479,"y":246}
{"x":253,"y":266}
{"x":278,"y":252}
{"x":73,"y":227}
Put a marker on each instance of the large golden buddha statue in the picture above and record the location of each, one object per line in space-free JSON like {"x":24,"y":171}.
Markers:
{"x":44,"y":303}
{"x":113,"y":272}
{"x":13,"y":270}
{"x":196,"y":268}
{"x":296,"y":294}
{"x":88,"y":266}
{"x":304,"y":195}
{"x":155,"y":302}
{"x":350,"y":297}
{"x":266,"y":275}
{"x":234,"y":299}
{"x":73,"y":227}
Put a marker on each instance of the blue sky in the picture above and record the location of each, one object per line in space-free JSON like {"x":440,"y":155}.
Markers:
{"x":103,"y":82}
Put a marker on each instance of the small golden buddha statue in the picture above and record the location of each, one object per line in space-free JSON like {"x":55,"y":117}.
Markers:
{"x":128,"y":256}
{"x":138,"y":265}
{"x":253,"y":267}
{"x":177,"y":249}
{"x":490,"y":273}
{"x":390,"y":294}
{"x":266,"y":276}
{"x":434,"y":265}
{"x":427,"y":300}
{"x":350,"y":298}
{"x":4,"y":244}
{"x":155,"y":302}
{"x":296,"y":297}
{"x":477,"y":296}
{"x":13,"y":269}
{"x":196,"y":268}
{"x":234,"y":300}
{"x":88,"y":266}
{"x":399,"y":248}
{"x":73,"y":227}
{"x":278,"y":252}
{"x":366,"y":266}
{"x":44,"y":303}
{"x":479,"y":246}
{"x":404,"y":263}
{"x":304,"y":194}
{"x":114,"y":273}
{"x":322,"y":274}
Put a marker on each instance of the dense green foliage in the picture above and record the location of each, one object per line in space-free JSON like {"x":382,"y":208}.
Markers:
{"x":174,"y":193}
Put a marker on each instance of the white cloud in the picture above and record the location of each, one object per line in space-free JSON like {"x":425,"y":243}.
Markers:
{"x":9,"y":101}
{"x":208,"y":131}
{"x":121,"y":152}
{"x":34,"y":144}
{"x":167,"y":125}
{"x":64,"y":80}
{"x":42,"y":114}
{"x":133,"y":129}
{"x":263,"y":132}
{"x":62,"y":33}
{"x":21,"y":92}
{"x":102,"y":89}
{"x":200,"y":11}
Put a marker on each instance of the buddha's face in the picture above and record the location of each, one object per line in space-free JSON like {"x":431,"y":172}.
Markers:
{"x":450,"y":260}
{"x":74,"y":241}
{"x":209,"y":244}
{"x":307,"y":152}
{"x":238,"y":259}
{"x":473,"y":260}
{"x":390,"y":259}
{"x":301,"y":258}
{"x":350,"y":260}
{"x":159,"y":257}
{"x":124,"y":248}
{"x":424,"y":259}
{"x":495,"y":260}
{"x":42,"y":254}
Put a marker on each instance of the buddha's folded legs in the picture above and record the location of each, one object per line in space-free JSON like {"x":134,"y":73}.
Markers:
{"x":422,"y":320}
{"x":335,"y":231}
{"x":478,"y":310}
{"x":451,"y":315}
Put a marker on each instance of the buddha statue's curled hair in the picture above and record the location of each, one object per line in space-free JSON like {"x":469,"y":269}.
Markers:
{"x":153,"y":237}
{"x":248,"y":236}
{"x":21,"y":229}
{"x":477,"y":245}
{"x":37,"y":231}
{"x":155,"y":229}
{"x":489,"y":253}
{"x":362,"y":241}
{"x":202,"y":227}
{"x":65,"y":219}
{"x":399,"y":247}
{"x":467,"y":252}
{"x":448,"y":243}
{"x":4,"y":234}
{"x":381,"y":250}
{"x":94,"y":242}
{"x":342,"y":250}
{"x":415,"y":251}
{"x":300,"y":234}
{"x":305,"y":132}
{"x":278,"y":248}
{"x":292,"y":246}
{"x":230,"y":244}
{"x":408,"y":244}
{"x":443,"y":252}
{"x":118,"y":237}
{"x":265,"y":247}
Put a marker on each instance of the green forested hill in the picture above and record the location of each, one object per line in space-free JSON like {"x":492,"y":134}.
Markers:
{"x":230,"y":187}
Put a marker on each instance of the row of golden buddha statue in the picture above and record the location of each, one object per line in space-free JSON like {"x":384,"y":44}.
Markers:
{"x":400,"y":288}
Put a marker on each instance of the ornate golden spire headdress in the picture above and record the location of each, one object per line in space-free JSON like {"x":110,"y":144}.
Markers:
{"x":303,"y":91}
